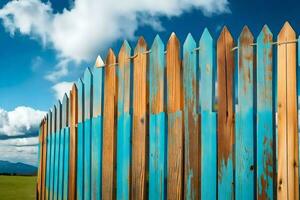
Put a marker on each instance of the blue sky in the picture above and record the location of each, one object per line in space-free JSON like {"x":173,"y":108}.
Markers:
{"x":45,"y":45}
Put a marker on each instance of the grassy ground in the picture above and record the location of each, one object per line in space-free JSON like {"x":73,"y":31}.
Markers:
{"x":17,"y":187}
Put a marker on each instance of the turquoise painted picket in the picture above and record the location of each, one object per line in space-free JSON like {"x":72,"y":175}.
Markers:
{"x":80,"y":135}
{"x":208,"y":117}
{"x":124,"y":123}
{"x":157,"y":127}
{"x":98,"y":94}
{"x":264,"y":130}
{"x":87,"y":132}
{"x":244,"y":135}
{"x":208,"y":123}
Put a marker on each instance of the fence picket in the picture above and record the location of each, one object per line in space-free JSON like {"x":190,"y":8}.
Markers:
{"x":139,"y":123}
{"x":73,"y":120}
{"x":175,"y":126}
{"x":191,"y":123}
{"x":53,"y":116}
{"x":287,"y":179}
{"x":57,"y":151}
{"x":109,"y":132}
{"x":244,"y":140}
{"x":264,"y":131}
{"x":225,"y":71}
{"x":61,"y":152}
{"x":80,"y":135}
{"x":124,"y":123}
{"x":157,"y":129}
{"x":48,"y":155}
{"x":98,"y":96}
{"x":208,"y":117}
{"x":65,"y":147}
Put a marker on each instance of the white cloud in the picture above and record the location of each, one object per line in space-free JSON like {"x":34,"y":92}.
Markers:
{"x":13,"y":150}
{"x":20,"y":121}
{"x":61,"y":88}
{"x":92,"y":25}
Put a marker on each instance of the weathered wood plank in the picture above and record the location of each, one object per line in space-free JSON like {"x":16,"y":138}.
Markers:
{"x":57,"y":172}
{"x":244,"y":140}
{"x":139,"y":123}
{"x":109,"y":132}
{"x":73,"y":121}
{"x":88,"y":104}
{"x":191,"y":123}
{"x":64,"y":113}
{"x":287,"y":179}
{"x":98,"y":96}
{"x":53,"y":120}
{"x":65,"y":148}
{"x":208,"y":117}
{"x":124,"y":123}
{"x":157,"y":128}
{"x":40,"y":158}
{"x":175,"y":132}
{"x":80,"y":132}
{"x":225,"y":63}
{"x":264,"y":129}
{"x":48,"y":155}
{"x":44,"y":158}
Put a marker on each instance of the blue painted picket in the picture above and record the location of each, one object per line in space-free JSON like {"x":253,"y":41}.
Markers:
{"x":88,"y":80}
{"x":80,"y":132}
{"x":157,"y":128}
{"x":66,"y":162}
{"x":264,"y":130}
{"x":48,"y":164}
{"x":53,"y":144}
{"x":191,"y":123}
{"x":123,"y":123}
{"x":208,"y":118}
{"x":64,"y":157}
{"x":57,"y":151}
{"x":244,"y":140}
{"x":98,"y":96}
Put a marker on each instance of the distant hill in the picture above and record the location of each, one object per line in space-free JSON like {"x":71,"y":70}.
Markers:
{"x":17,"y":168}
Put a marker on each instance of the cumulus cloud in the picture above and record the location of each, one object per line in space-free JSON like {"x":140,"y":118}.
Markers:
{"x":21,"y":121}
{"x":61,"y":88}
{"x":20,"y":150}
{"x":92,"y":25}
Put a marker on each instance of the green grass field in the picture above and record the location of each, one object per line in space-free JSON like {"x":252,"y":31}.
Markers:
{"x":17,"y":187}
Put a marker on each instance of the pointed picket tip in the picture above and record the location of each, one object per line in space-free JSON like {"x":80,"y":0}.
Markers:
{"x":110,"y":58}
{"x":157,"y":42}
{"x":124,"y":48}
{"x":265,"y":35}
{"x":141,"y":44}
{"x":189,"y":40}
{"x":287,"y":32}
{"x":246,"y":36}
{"x":87,"y":74}
{"x":74,"y":88}
{"x":206,"y":35}
{"x":225,"y":35}
{"x":65,"y":98}
{"x":173,"y":39}
{"x":79,"y":84}
{"x":99,"y":62}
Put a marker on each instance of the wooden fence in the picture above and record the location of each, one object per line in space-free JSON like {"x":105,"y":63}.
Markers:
{"x":217,"y":121}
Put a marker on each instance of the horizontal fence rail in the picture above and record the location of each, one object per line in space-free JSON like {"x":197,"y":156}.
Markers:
{"x":215,"y":119}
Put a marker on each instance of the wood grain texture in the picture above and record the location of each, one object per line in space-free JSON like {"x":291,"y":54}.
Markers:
{"x":225,"y":73}
{"x":40,"y":161}
{"x":109,"y":132}
{"x":48,"y":155}
{"x":173,"y":69}
{"x":124,"y":123}
{"x":157,"y":127}
{"x":175,"y":120}
{"x":208,"y":117}
{"x":73,"y":141}
{"x":88,"y":111}
{"x":288,"y":160}
{"x":80,"y":132}
{"x":98,"y":99}
{"x":244,"y":140}
{"x":191,"y":123}
{"x":52,"y":135}
{"x":57,"y":172}
{"x":139,"y":123}
{"x":264,"y":128}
